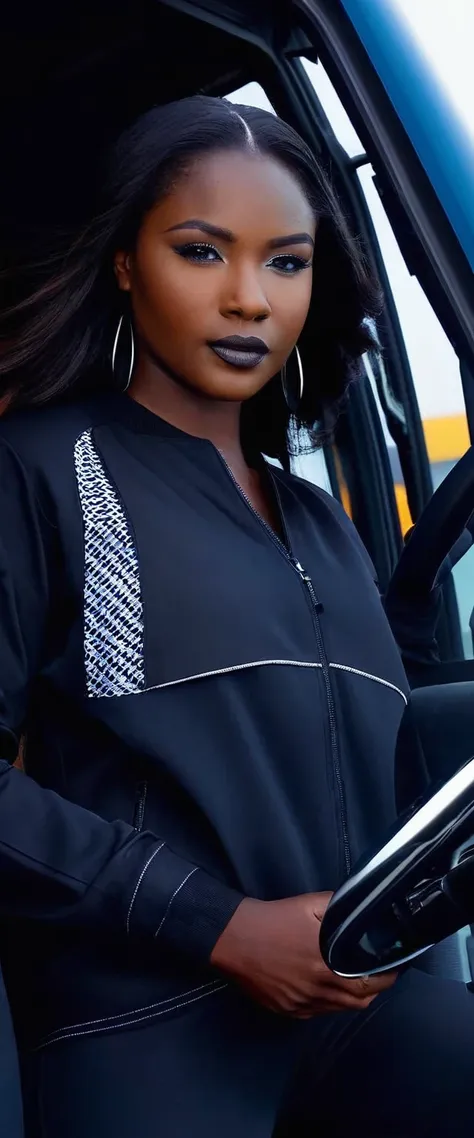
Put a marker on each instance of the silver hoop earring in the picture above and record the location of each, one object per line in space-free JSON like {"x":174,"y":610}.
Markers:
{"x":115,"y":369}
{"x":292,"y":382}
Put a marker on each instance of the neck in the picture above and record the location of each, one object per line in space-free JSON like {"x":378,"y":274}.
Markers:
{"x":188,"y":410}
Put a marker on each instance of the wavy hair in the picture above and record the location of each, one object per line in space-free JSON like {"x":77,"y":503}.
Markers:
{"x":55,"y":342}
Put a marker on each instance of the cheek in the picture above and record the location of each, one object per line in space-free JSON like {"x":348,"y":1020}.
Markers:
{"x":173,"y":299}
{"x":291,"y":303}
{"x":176,"y":308}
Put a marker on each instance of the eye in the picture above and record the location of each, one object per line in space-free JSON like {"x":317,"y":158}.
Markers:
{"x":288,"y":264}
{"x":199,"y":252}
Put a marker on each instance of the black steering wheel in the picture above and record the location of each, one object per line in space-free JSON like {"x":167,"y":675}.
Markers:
{"x":409,"y":895}
{"x":439,"y":534}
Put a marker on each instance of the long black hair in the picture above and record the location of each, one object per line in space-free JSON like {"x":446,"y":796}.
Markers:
{"x":56,"y":341}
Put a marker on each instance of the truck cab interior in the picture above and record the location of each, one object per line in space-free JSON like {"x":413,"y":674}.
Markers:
{"x":355,"y":87}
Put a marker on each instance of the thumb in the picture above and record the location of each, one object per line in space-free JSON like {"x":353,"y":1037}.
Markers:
{"x":320,"y":902}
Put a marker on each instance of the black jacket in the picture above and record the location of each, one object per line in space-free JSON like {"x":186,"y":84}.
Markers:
{"x":180,"y":668}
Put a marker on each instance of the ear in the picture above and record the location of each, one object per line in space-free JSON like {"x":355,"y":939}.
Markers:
{"x":122,"y":270}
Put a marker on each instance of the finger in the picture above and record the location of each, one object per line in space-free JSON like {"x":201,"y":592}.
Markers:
{"x":380,"y":983}
{"x":320,"y":902}
{"x":351,"y":993}
{"x":365,"y":987}
{"x":370,"y":985}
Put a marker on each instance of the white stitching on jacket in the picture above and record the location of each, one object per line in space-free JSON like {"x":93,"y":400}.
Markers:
{"x":56,"y":1037}
{"x":369,"y":676}
{"x":175,"y":894}
{"x":266,"y":663}
{"x":134,"y":1011}
{"x":140,"y":879}
{"x":226,"y":671}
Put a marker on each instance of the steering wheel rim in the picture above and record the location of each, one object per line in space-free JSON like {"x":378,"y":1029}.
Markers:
{"x":435,"y":533}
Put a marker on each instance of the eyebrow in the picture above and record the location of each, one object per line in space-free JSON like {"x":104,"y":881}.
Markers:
{"x":227,"y":235}
{"x":291,"y":239}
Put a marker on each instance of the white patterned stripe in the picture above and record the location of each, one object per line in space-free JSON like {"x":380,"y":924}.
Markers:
{"x":113,"y":611}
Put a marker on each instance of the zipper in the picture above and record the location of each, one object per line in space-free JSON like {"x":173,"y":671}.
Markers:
{"x":140,"y":803}
{"x":317,"y":609}
{"x":284,"y":549}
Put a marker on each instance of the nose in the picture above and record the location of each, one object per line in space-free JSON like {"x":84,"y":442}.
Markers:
{"x":244,"y":296}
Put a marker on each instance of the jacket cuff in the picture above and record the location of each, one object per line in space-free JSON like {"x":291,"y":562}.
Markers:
{"x":180,"y":905}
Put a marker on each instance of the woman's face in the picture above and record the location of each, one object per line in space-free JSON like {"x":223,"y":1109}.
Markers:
{"x":227,"y":253}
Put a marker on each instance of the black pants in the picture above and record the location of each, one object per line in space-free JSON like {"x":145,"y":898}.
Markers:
{"x":402,"y":1069}
{"x":11,"y":1122}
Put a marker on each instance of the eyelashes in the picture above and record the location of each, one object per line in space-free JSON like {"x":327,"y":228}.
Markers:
{"x":202,"y":253}
{"x":199,"y":252}
{"x":288,"y":264}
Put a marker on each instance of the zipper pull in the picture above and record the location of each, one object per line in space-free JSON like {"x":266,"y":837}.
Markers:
{"x":298,"y":567}
{"x":309,"y":584}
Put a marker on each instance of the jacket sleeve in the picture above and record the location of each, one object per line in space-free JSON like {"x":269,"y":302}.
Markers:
{"x":59,"y":862}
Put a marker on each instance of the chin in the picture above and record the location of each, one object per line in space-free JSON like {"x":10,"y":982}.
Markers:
{"x":235,"y":396}
{"x":237,"y":389}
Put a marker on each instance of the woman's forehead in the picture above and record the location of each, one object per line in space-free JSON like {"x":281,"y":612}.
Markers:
{"x":237,"y":191}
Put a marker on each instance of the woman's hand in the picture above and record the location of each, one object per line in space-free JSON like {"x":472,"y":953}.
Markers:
{"x":271,"y":948}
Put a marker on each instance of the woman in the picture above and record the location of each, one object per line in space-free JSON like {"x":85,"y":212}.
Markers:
{"x":204,"y":648}
{"x":58,"y":863}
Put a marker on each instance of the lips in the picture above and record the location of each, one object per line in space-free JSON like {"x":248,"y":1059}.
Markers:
{"x":240,"y":351}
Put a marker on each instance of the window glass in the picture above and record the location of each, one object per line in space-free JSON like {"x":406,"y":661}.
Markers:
{"x":252,"y":95}
{"x":313,"y":467}
{"x":433,"y":361}
{"x":335,"y":111}
{"x":437,"y":380}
